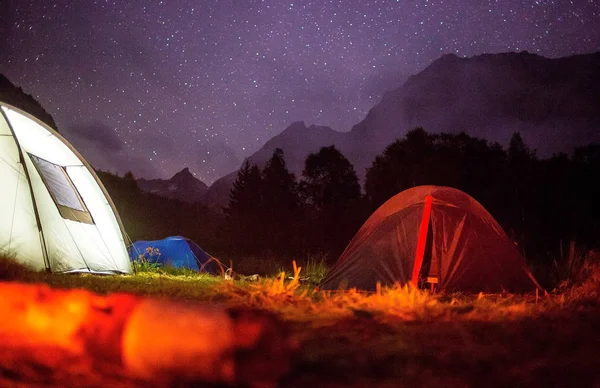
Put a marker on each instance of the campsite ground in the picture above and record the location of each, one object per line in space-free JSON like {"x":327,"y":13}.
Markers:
{"x":396,"y":337}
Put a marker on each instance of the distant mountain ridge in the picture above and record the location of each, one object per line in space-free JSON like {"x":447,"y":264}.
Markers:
{"x":553,"y":103}
{"x":297,"y":141}
{"x":492,"y":95}
{"x":183,"y":186}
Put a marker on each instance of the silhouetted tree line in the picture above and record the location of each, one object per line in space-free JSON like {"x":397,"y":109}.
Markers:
{"x":15,"y":96}
{"x":271,"y":212}
{"x":543,"y":204}
{"x":148,"y":216}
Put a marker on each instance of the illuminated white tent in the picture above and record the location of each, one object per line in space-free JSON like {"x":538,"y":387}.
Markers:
{"x":55,"y":214}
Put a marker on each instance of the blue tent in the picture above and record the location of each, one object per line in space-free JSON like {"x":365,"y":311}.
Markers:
{"x":175,"y":251}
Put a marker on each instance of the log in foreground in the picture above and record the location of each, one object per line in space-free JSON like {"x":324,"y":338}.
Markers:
{"x":148,"y":339}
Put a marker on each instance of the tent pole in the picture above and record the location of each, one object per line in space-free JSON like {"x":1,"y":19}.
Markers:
{"x":422,"y":240}
{"x":35,"y":210}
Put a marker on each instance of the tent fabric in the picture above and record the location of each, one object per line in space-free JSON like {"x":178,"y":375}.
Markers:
{"x":55,"y":214}
{"x":175,"y":251}
{"x":467,"y":248}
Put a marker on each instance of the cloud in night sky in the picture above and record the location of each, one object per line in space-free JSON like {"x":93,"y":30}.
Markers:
{"x":100,"y":135}
{"x":204,"y":84}
{"x":104,"y":150}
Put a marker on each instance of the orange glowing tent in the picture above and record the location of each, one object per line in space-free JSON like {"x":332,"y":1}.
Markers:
{"x":436,"y":235}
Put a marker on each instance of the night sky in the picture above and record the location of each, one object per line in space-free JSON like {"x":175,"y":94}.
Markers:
{"x":154,"y":86}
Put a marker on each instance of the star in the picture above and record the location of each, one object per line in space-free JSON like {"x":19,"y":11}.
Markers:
{"x":157,"y":74}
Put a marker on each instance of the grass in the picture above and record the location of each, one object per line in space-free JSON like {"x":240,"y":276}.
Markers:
{"x":292,"y":293}
{"x":375,"y":339}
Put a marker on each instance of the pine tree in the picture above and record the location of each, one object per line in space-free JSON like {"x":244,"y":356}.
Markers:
{"x":279,"y":184}
{"x":281,"y":211}
{"x":244,"y":212}
{"x":522,"y":178}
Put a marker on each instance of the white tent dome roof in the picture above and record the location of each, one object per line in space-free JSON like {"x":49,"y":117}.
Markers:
{"x":55,"y":213}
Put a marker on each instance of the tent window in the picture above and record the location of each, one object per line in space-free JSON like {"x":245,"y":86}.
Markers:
{"x":62,"y":190}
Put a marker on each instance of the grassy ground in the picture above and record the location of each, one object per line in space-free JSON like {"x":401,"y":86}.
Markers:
{"x":397,"y":336}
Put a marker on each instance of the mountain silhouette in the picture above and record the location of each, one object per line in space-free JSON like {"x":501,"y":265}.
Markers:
{"x":552,"y":102}
{"x":297,"y":141}
{"x":183,"y":186}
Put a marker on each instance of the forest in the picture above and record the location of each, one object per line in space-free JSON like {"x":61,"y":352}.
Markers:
{"x":547,"y":206}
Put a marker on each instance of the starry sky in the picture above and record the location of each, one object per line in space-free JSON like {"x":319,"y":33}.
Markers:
{"x":154,"y":86}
